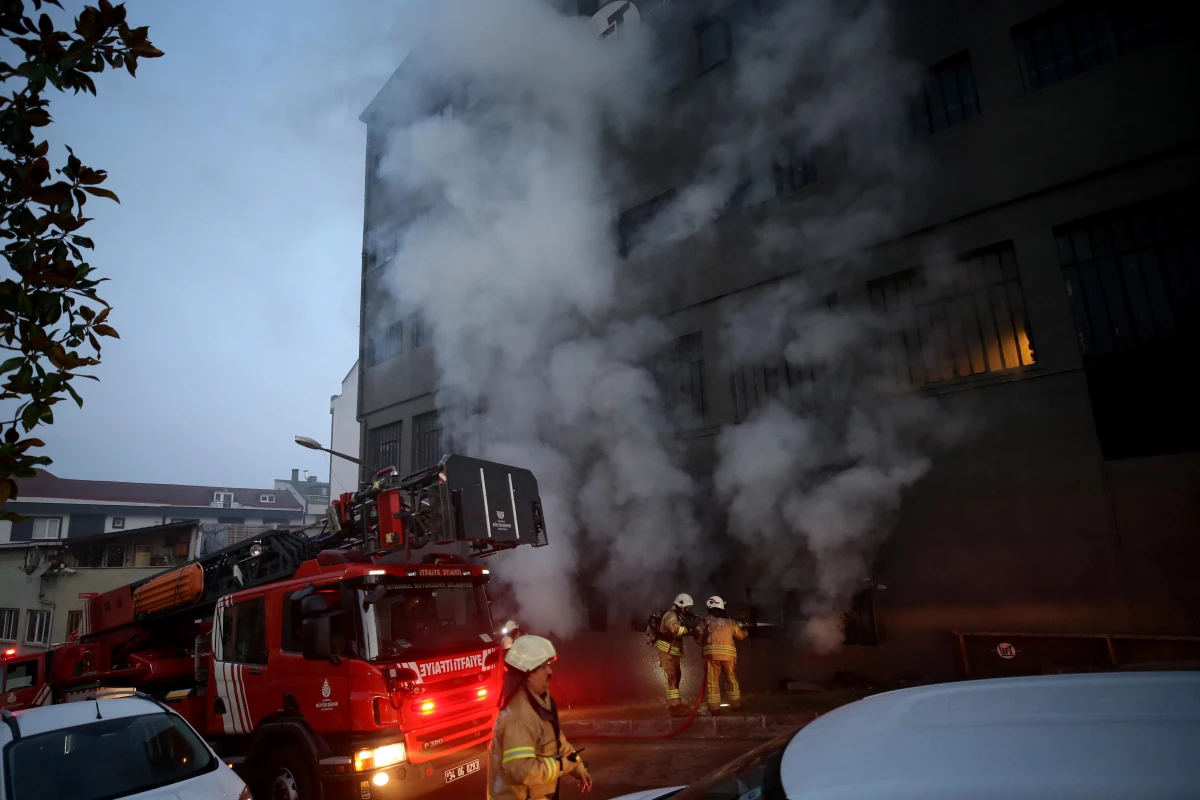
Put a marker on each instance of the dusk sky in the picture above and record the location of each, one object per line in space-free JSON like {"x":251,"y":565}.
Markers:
{"x":234,"y":256}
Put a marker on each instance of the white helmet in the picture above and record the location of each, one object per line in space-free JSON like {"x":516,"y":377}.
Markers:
{"x":530,"y":652}
{"x":715,"y":602}
{"x":510,"y":626}
{"x":683,"y":600}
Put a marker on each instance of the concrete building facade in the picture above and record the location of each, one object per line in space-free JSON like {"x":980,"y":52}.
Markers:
{"x":345,"y":435}
{"x":1062,"y":172}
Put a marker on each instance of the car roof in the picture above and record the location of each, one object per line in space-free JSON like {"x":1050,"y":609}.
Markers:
{"x":69,"y":715}
{"x":1113,"y":734}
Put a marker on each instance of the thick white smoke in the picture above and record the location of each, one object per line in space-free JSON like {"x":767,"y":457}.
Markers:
{"x":510,"y":255}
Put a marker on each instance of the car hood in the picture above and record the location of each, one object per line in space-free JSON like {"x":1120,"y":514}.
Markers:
{"x":221,"y":784}
{"x":651,"y":794}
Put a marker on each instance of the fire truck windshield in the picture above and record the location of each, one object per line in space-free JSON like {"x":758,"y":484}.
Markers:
{"x":413,"y":620}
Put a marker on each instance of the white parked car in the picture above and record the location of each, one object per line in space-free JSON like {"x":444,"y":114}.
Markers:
{"x":1127,"y":735}
{"x":127,"y":747}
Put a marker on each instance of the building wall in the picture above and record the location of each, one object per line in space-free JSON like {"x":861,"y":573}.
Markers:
{"x":59,"y":595}
{"x":1025,"y":526}
{"x":345,"y":435}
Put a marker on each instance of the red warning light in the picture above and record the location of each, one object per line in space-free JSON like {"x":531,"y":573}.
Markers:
{"x":12,"y":651}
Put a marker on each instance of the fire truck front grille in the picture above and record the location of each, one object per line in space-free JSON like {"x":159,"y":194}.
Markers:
{"x":431,"y":743}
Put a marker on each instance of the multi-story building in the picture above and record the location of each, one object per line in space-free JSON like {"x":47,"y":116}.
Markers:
{"x":1061,"y":175}
{"x":56,"y":508}
{"x":344,"y":435}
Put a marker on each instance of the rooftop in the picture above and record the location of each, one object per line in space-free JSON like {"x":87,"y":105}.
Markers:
{"x":48,"y":486}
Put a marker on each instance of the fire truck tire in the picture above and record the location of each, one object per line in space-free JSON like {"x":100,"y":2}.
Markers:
{"x":288,"y":776}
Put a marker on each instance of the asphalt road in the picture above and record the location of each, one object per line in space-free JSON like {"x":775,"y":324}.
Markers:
{"x":620,"y":768}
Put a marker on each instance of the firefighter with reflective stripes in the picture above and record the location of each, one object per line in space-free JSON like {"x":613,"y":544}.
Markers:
{"x":717,"y":636}
{"x":529,"y":754}
{"x":672,"y":630}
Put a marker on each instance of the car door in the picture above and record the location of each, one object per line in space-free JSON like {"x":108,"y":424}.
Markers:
{"x":24,"y":682}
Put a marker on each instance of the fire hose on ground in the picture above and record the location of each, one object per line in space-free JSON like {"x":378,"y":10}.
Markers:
{"x":669,"y":735}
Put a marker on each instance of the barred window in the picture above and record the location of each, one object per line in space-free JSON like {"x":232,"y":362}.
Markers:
{"x":803,"y":388}
{"x":680,"y":373}
{"x":794,"y":169}
{"x":420,"y":331}
{"x":1082,"y":34}
{"x":634,"y":220}
{"x":427,"y":440}
{"x":383,"y":446}
{"x":947,"y":98}
{"x":386,"y":344}
{"x":976,"y":324}
{"x":1132,"y":276}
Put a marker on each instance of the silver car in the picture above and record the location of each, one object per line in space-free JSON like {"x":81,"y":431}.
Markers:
{"x":1113,"y":735}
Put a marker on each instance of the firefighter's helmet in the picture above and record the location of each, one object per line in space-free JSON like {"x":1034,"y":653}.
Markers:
{"x":509,"y":627}
{"x":683,"y":600}
{"x":530,"y":652}
{"x":715,"y":602}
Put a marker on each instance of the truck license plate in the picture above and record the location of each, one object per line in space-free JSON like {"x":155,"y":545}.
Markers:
{"x":462,"y":771}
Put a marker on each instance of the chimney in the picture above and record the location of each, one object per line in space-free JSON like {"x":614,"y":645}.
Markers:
{"x":305,"y":474}
{"x":295,"y":475}
{"x":312,"y":478}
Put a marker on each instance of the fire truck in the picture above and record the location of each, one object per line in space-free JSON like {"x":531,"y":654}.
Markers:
{"x":351,"y":663}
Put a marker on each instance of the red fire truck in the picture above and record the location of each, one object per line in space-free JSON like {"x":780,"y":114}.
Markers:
{"x":343,"y":665}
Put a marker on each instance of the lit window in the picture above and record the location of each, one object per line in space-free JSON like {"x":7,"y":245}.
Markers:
{"x":976,"y":324}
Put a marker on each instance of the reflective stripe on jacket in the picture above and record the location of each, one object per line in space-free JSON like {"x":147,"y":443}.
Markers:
{"x":718,"y":637}
{"x":671,"y":631}
{"x":525,"y":760}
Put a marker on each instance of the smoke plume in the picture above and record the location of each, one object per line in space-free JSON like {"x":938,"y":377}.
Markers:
{"x":502,"y":225}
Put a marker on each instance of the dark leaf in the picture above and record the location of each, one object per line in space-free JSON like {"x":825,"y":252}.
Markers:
{"x":101,"y":193}
{"x":106,"y":330}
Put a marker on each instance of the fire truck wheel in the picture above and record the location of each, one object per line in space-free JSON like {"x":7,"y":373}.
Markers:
{"x":289,"y":777}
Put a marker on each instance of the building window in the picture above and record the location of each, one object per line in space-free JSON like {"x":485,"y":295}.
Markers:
{"x":634,"y":220}
{"x":223,"y":497}
{"x":9,"y":617}
{"x":420,"y":331}
{"x":715,"y":41}
{"x":385,"y":345}
{"x":680,"y":373}
{"x":805,"y":389}
{"x":794,"y":169}
{"x":118,"y":523}
{"x":972,"y":324}
{"x":1082,"y":34}
{"x":383,"y":446}
{"x":1132,"y":279}
{"x":47,"y":527}
{"x":141,"y":555}
{"x":858,"y":624}
{"x":74,"y":619}
{"x":427,"y":440}
{"x":266,"y":498}
{"x":37,"y":627}
{"x":947,"y":98}
{"x":114,"y":555}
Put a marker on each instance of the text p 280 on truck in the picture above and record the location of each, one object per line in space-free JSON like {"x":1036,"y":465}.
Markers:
{"x":334,"y":666}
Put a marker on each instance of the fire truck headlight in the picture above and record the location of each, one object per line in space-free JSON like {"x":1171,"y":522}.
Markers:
{"x":366,"y":760}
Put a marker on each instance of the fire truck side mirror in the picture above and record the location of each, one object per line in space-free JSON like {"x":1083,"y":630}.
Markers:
{"x":316,"y":641}
{"x":313,"y":605}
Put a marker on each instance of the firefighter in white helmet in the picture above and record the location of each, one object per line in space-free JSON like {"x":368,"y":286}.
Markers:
{"x":675,"y":626}
{"x":529,"y":753}
{"x":511,"y":632}
{"x":717,"y":636}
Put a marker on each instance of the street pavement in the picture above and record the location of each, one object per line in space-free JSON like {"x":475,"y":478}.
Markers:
{"x":623,"y":767}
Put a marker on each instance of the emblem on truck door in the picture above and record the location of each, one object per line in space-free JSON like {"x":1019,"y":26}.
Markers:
{"x":326,"y":704}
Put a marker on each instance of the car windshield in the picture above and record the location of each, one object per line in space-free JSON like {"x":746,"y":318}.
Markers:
{"x":105,"y":759}
{"x":753,"y":776}
{"x":412,"y":620}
